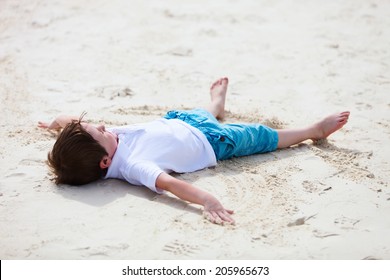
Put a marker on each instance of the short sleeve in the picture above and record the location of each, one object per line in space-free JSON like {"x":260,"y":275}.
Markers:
{"x":143,"y":173}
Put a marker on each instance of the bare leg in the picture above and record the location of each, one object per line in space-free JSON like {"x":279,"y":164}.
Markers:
{"x":218,"y":96}
{"x":320,"y":130}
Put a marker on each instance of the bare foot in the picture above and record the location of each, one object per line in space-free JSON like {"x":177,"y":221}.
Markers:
{"x":218,"y":95}
{"x":329,"y":125}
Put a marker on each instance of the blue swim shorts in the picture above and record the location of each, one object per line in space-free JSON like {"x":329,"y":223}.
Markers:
{"x":229,"y":140}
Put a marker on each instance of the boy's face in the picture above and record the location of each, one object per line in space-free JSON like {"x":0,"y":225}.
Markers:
{"x":106,"y":139}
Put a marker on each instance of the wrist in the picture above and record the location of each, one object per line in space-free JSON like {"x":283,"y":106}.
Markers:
{"x":209,"y":199}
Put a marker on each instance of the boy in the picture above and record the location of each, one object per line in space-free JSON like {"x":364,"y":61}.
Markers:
{"x":182,"y":141}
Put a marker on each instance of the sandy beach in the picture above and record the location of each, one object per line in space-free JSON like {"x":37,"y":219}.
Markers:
{"x":289,"y":64}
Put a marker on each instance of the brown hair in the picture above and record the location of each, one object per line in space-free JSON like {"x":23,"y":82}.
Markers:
{"x":75,"y":156}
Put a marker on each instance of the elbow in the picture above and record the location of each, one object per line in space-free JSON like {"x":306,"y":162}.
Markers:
{"x":164,"y":182}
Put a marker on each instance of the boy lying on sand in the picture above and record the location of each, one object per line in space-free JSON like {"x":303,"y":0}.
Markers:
{"x":181,"y":141}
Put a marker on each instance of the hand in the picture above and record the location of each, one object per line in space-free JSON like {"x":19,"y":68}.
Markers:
{"x":46,"y":125}
{"x":213,"y":209}
{"x":216,"y":213}
{"x":58,"y":123}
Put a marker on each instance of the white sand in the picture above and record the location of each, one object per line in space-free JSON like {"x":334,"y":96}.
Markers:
{"x":130,"y":61}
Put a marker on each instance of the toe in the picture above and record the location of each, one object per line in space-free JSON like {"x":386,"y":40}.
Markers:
{"x":214,"y":84}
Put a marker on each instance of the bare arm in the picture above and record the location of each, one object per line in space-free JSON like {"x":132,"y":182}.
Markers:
{"x":213,"y":209}
{"x":58,"y":123}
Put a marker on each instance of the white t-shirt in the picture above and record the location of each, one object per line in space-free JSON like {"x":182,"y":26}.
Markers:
{"x":145,"y":151}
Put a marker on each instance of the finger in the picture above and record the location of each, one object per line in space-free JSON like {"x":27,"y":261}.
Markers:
{"x":216,"y":218}
{"x":209,"y":217}
{"x":230,"y":211}
{"x":226,"y":217}
{"x":43,"y":125}
{"x":219,"y":218}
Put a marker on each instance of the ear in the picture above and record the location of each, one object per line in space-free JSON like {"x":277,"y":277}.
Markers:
{"x":105,"y":162}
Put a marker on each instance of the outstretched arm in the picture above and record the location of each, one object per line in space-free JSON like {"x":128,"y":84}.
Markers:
{"x":213,"y":209}
{"x":58,"y":123}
